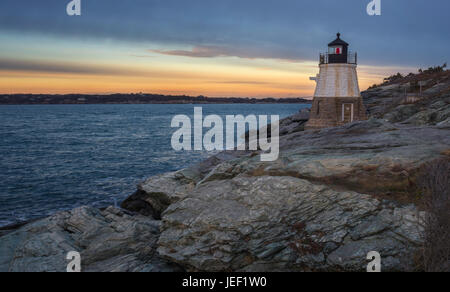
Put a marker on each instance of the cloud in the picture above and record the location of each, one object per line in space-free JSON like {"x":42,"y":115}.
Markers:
{"x":198,"y":52}
{"x":63,"y":67}
{"x":243,"y":53}
{"x":241,"y":82}
{"x":140,"y":56}
{"x":288,"y":29}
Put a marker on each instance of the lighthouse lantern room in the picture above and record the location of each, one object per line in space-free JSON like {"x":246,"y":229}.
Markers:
{"x":337,"y":99}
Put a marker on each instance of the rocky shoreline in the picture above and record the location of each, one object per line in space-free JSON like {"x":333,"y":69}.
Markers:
{"x":333,"y":196}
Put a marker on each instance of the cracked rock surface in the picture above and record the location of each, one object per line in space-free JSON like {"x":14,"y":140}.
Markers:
{"x":315,"y":209}
{"x":283,"y":224}
{"x":108,"y":240}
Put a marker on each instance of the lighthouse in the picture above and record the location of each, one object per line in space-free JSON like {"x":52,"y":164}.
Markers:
{"x":337,"y":99}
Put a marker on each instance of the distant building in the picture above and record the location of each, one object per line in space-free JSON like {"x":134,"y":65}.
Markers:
{"x":337,"y":99}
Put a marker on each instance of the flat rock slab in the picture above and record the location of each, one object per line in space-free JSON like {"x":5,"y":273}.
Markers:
{"x":284,"y":224}
{"x":108,"y":240}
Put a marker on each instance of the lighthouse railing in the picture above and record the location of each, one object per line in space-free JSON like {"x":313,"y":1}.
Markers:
{"x":352,"y":58}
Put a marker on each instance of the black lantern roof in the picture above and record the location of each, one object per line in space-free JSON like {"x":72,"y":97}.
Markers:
{"x":338,"y":42}
{"x":341,"y":56}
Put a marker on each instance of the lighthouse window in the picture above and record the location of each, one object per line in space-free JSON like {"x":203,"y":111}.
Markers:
{"x":335,"y":50}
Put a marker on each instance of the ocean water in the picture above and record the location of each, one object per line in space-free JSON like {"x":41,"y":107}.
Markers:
{"x":57,"y":157}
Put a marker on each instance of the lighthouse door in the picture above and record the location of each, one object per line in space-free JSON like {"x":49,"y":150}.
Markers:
{"x":347,"y":112}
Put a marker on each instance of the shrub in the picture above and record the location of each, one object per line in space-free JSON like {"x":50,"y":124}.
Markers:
{"x":435,"y":183}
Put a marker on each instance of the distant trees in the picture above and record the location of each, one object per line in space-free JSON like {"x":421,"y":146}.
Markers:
{"x":390,"y":79}
{"x":431,"y":70}
{"x":411,"y":77}
{"x":393,"y":78}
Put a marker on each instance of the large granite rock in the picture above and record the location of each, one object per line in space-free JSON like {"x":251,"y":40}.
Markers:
{"x":370,"y":156}
{"x":401,"y":113}
{"x":295,"y":123}
{"x":430,"y":108}
{"x":439,"y":112}
{"x":284,"y":223}
{"x":109,"y":240}
{"x":319,"y":207}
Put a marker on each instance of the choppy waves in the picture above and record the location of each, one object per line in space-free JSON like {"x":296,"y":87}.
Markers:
{"x":57,"y":157}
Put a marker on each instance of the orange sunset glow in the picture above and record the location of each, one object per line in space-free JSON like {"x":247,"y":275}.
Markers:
{"x":220,"y":77}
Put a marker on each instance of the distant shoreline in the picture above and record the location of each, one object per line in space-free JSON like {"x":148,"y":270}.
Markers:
{"x":30,"y":99}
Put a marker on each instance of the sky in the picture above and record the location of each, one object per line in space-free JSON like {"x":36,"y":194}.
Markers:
{"x":217,"y":48}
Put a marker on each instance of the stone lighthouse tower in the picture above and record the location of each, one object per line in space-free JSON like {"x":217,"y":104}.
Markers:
{"x":337,"y":99}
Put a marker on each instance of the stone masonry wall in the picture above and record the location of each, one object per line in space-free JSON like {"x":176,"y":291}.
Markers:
{"x":326,"y":112}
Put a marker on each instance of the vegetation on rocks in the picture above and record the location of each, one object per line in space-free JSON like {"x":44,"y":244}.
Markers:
{"x":435,"y":182}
